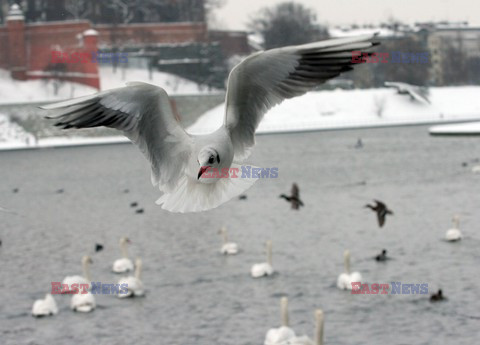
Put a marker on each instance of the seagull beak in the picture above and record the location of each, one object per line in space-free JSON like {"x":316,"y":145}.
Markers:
{"x":201,"y":171}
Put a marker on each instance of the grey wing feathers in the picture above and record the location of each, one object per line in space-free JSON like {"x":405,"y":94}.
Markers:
{"x":267,"y":78}
{"x":142,"y":111}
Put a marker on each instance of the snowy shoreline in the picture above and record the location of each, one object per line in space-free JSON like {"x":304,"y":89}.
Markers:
{"x":365,"y":108}
{"x":314,"y":111}
{"x":61,"y":142}
{"x":57,"y":142}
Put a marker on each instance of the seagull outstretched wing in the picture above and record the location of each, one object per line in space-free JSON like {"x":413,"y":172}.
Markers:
{"x":143,"y":112}
{"x":265,"y":79}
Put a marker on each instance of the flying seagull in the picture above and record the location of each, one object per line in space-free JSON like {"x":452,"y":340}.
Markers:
{"x":294,"y":198}
{"x":381,"y":209}
{"x":183,"y":165}
{"x":415,"y":92}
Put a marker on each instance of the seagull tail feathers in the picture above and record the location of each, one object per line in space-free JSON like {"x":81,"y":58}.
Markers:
{"x":191,"y":196}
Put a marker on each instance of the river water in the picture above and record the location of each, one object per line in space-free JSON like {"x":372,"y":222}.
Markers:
{"x":195,"y":296}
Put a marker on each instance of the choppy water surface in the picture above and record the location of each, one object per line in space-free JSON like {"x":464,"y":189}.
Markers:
{"x":198,"y":297}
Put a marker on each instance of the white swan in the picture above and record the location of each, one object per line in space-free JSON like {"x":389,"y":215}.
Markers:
{"x":45,"y":307}
{"x":304,"y":340}
{"x":83,"y":302}
{"x":85,"y":279}
{"x":134,"y":284}
{"x":283,"y":334}
{"x":346,"y":279}
{"x":265,"y":268}
{"x":228,"y":248}
{"x":124,"y":264}
{"x":476,"y":169}
{"x":454,"y":233}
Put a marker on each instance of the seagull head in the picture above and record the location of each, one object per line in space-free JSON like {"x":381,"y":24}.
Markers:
{"x":207,"y":158}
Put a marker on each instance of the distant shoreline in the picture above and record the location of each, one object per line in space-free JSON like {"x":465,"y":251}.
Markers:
{"x":64,"y":142}
{"x":61,"y":142}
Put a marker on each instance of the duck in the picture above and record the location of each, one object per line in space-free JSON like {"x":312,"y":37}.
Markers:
{"x":265,"y":268}
{"x":98,"y":247}
{"x":382,"y":256}
{"x":345,"y":280}
{"x":381,"y":210}
{"x":124,"y":264}
{"x":294,"y":198}
{"x":359,"y":143}
{"x":437,"y":297}
{"x":228,"y":248}
{"x":45,"y":307}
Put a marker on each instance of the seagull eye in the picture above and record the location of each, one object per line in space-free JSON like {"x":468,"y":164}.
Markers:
{"x":211,"y":159}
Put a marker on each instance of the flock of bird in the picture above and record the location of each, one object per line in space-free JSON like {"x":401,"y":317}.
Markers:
{"x":284,"y":334}
{"x":178,"y":160}
{"x":85,"y":302}
{"x":345,"y":279}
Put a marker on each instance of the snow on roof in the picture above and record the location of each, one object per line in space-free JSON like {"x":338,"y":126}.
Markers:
{"x":90,"y":32}
{"x":15,"y":13}
{"x":337,"y":32}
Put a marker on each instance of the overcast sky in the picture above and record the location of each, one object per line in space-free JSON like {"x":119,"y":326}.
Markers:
{"x":235,"y":13}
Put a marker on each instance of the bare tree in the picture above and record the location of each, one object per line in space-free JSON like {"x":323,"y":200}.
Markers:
{"x":287,"y":23}
{"x":124,"y":9}
{"x":79,"y":9}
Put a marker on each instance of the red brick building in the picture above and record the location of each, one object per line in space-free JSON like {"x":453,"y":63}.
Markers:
{"x":27,"y":47}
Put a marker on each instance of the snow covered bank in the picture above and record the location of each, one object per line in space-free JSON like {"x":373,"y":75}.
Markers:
{"x":325,"y":110}
{"x":13,"y":134}
{"x":15,"y":91}
{"x":14,"y":137}
{"x":61,"y":142}
{"x":341,"y":109}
